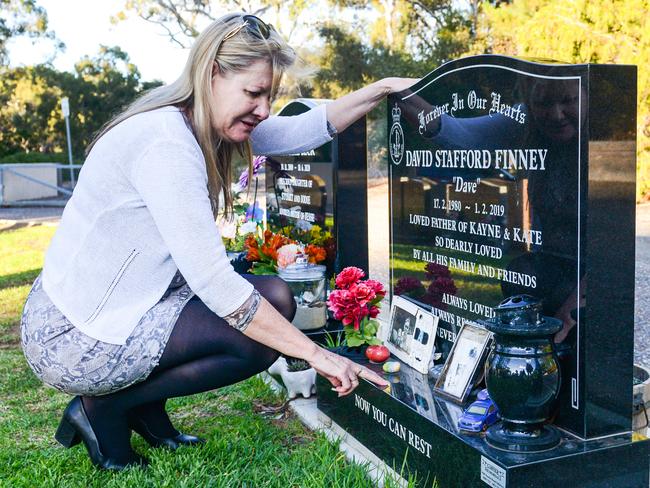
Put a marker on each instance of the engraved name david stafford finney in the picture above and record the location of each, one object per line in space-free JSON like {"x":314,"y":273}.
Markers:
{"x":399,"y":430}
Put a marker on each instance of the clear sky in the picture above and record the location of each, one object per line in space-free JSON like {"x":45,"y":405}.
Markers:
{"x":85,"y":24}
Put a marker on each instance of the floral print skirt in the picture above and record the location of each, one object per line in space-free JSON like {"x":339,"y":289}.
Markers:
{"x":72,"y":362}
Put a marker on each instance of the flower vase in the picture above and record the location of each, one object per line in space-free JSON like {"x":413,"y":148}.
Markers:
{"x":300,"y":382}
{"x":296,"y":382}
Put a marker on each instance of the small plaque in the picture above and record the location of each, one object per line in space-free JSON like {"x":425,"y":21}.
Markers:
{"x":411,"y":334}
{"x":492,"y":474}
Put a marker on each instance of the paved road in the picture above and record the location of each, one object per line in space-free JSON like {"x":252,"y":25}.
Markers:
{"x":378,"y":243}
{"x":642,"y":287}
{"x":31,"y":214}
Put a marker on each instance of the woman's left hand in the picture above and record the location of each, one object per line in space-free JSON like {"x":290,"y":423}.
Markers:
{"x":345,"y":110}
{"x":394,"y":85}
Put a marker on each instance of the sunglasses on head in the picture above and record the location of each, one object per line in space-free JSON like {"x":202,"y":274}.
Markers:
{"x":255,"y":26}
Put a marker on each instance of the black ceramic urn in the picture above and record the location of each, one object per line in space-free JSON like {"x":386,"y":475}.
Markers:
{"x":522,"y":375}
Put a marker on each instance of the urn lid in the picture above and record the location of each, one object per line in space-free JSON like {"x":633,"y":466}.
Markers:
{"x":522,"y":315}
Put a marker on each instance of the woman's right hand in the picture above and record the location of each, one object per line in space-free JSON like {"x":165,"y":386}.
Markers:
{"x":342,"y":373}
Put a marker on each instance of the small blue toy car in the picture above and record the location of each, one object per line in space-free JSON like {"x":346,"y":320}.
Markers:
{"x":480,"y":414}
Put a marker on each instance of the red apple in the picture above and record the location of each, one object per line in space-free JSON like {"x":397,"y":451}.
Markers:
{"x":377,"y":354}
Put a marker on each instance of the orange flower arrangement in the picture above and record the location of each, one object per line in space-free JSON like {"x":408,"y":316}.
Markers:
{"x":315,"y":254}
{"x":253,"y":249}
{"x":263,"y":253}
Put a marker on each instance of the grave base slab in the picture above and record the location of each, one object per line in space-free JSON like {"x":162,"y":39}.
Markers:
{"x":415,"y":432}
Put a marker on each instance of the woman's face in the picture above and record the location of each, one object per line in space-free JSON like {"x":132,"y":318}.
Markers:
{"x":240,"y":101}
{"x":556,"y":110}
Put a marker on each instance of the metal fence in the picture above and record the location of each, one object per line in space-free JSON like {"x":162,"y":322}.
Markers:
{"x":37,"y":184}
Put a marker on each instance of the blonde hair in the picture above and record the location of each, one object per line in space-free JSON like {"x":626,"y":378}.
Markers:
{"x":191,"y":93}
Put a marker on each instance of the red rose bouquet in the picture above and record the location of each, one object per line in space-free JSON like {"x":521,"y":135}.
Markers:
{"x":356,"y":303}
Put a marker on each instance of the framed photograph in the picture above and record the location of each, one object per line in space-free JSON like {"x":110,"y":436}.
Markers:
{"x":462,"y":370}
{"x":410,"y":334}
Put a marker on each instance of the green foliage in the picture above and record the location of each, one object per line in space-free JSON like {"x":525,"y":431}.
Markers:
{"x":599,"y":31}
{"x":260,"y":268}
{"x":183,"y":20}
{"x":397,"y":38}
{"x":400,"y":37}
{"x":236,"y":244}
{"x":365,"y":334}
{"x":294,"y":365}
{"x":333,"y":340}
{"x":35,"y":157}
{"x":347,"y":63}
{"x":30,"y":102}
{"x":22,"y":18}
{"x":316,"y":235}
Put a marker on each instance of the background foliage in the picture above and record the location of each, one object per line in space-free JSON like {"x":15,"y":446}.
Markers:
{"x":30,"y":97}
{"x":349,"y":42}
{"x":597,"y":31}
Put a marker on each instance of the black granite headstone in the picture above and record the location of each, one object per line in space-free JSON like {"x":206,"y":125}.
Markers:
{"x":326,"y":187}
{"x":511,"y":177}
{"x":508,"y":176}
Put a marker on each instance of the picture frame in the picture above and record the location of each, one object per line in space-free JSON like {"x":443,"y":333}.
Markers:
{"x":462,"y":368}
{"x":410,"y":334}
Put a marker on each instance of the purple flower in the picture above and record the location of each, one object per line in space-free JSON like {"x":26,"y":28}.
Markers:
{"x":434,"y":271}
{"x":440,"y":286}
{"x":407,"y":284}
{"x":258,"y":162}
{"x":254,"y":212}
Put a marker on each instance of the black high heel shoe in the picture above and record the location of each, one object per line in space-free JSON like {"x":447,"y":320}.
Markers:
{"x":75,"y":427}
{"x":173,"y":443}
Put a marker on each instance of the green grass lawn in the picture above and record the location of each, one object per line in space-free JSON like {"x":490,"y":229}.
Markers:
{"x":249,"y":443}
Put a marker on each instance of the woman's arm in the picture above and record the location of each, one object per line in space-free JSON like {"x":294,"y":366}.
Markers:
{"x":170,"y":177}
{"x":270,"y":328}
{"x":299,"y":133}
{"x":342,"y":112}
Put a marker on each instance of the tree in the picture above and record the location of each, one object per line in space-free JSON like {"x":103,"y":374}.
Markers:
{"x":21,"y":18}
{"x":430,"y":31}
{"x":347,"y":63}
{"x":30,"y":101}
{"x":598,"y":31}
{"x":379,"y":38}
{"x":182,"y":20}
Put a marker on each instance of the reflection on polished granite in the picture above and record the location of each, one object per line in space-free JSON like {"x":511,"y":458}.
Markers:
{"x":416,"y":391}
{"x":415,"y":430}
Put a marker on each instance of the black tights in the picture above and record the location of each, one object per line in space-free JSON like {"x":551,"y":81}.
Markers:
{"x":203,"y":353}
